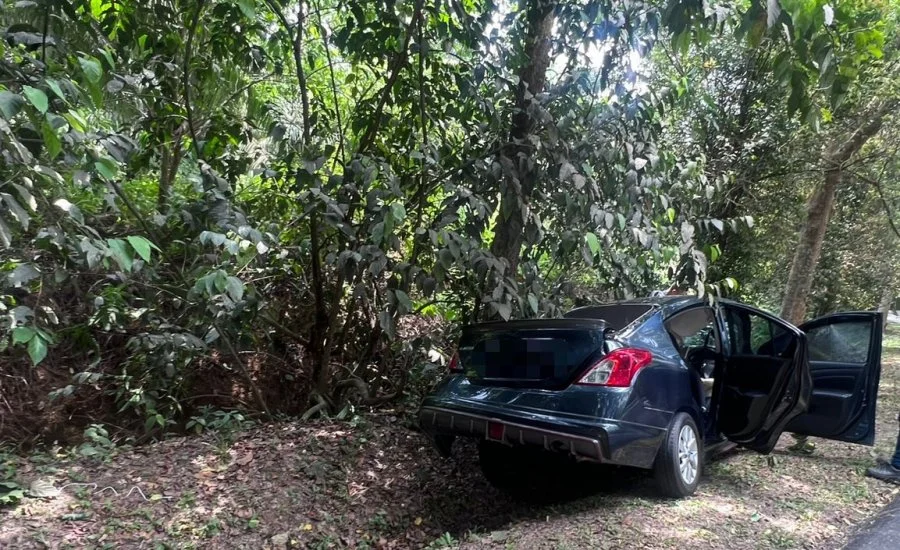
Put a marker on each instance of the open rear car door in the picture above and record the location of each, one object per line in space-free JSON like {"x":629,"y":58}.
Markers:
{"x":844,"y":351}
{"x":763,"y":383}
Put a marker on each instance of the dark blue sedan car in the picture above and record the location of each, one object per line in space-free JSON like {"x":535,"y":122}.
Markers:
{"x":656,"y":383}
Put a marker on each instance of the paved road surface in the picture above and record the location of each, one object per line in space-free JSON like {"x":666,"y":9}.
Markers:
{"x":881,"y":532}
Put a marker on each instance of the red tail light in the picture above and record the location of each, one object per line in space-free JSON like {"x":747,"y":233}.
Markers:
{"x":455,"y":366}
{"x":617,"y":369}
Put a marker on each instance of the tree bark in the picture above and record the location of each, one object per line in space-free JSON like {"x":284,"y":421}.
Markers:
{"x":169,"y":162}
{"x":887,"y":298}
{"x":888,"y":279}
{"x":819,"y":207}
{"x":517,"y":186}
{"x":165,"y":182}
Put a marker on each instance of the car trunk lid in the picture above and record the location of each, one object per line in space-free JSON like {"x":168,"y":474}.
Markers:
{"x":541,"y":353}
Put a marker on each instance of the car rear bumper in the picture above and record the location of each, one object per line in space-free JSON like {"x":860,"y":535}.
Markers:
{"x":606,"y":441}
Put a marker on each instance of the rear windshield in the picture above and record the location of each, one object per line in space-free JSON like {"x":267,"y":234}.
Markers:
{"x":541,"y":355}
{"x":618,"y":316}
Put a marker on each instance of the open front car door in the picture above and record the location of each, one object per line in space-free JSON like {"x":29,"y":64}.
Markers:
{"x":844,"y":351}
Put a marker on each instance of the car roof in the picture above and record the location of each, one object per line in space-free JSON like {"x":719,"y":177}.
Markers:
{"x":668,"y":304}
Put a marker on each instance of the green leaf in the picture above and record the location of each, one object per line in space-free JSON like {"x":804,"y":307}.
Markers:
{"x":142,"y":246}
{"x":107,"y":168}
{"x":19,"y":213}
{"x":69,"y":209}
{"x":41,"y":488}
{"x":5,"y":234}
{"x":387,"y":323}
{"x":54,"y":86}
{"x":22,"y":275}
{"x":120,"y":253}
{"x":107,"y":55}
{"x":26,"y":196}
{"x":248,"y":8}
{"x":533,"y":302}
{"x":10,"y":104}
{"x":504,"y":310}
{"x":149,"y":423}
{"x":671,"y":214}
{"x":10,"y":492}
{"x":566,"y":170}
{"x":92,"y":69}
{"x":235,"y":288}
{"x":378,"y":233}
{"x":37,"y":349}
{"x":37,"y":98}
{"x":593,"y":243}
{"x":51,"y":140}
{"x":403,"y":299}
{"x":78,"y":123}
{"x":49,"y":173}
{"x":398,"y":212}
{"x":22,"y":335}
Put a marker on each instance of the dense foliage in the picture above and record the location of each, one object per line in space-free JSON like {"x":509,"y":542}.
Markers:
{"x":283,"y":205}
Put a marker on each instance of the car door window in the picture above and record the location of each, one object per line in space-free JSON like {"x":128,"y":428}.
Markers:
{"x":753,"y":334}
{"x":844,"y":351}
{"x":692,"y":330}
{"x":846,"y":343}
{"x":738,"y":325}
{"x":760,"y":333}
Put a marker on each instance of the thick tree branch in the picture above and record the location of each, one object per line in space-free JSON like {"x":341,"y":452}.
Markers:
{"x":186,"y":76}
{"x":399,"y":62}
{"x":881,"y":196}
{"x":334,"y":89}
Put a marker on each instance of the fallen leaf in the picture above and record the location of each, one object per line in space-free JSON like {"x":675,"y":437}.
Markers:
{"x":40,"y":488}
{"x":246,"y":459}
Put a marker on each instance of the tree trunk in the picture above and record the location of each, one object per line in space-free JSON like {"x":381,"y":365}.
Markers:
{"x":806,"y":255}
{"x":518,"y":183}
{"x":165,"y":182}
{"x":819,"y":208}
{"x":170,"y":161}
{"x":888,"y":279}
{"x":887,"y":298}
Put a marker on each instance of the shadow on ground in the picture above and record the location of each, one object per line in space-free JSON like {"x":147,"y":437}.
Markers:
{"x":562,"y":486}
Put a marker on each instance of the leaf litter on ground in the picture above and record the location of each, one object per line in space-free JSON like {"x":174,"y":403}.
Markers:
{"x":380,"y":485}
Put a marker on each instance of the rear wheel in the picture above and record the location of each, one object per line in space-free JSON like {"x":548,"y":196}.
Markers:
{"x":534,"y":475}
{"x":510,"y":471}
{"x":680,"y":458}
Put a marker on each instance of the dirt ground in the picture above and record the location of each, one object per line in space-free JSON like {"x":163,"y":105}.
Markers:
{"x":375,"y":483}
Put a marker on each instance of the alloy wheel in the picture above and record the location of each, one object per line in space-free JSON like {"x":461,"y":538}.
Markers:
{"x":687,"y":455}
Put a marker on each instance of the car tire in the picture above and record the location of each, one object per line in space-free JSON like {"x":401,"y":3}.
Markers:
{"x":503,"y":468}
{"x":525,"y":474}
{"x":679,"y":461}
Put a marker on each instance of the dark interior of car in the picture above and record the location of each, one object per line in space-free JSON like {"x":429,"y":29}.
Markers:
{"x":696,"y":338}
{"x":743,"y":393}
{"x":761,"y":357}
